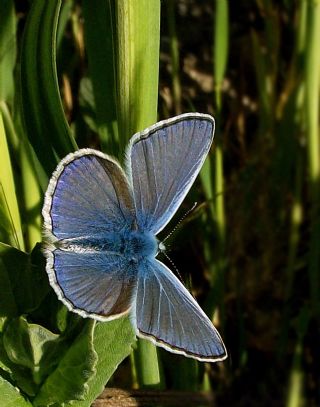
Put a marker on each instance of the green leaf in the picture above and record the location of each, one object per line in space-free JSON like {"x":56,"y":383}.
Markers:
{"x":10,"y":395}
{"x":69,"y":381}
{"x":8,"y":49}
{"x":30,"y":353}
{"x":113,"y":343}
{"x":16,"y":374}
{"x":31,"y":346}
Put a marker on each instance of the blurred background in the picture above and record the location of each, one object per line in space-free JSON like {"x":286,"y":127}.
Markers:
{"x":250,"y":250}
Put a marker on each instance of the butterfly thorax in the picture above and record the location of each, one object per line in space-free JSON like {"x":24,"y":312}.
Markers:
{"x":136,"y":245}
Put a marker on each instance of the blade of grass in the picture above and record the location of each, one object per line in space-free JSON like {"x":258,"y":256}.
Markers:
{"x":28,"y":180}
{"x":221,"y":34}
{"x":32,"y":194}
{"x":221,"y":46}
{"x":296,"y":379}
{"x":212,"y":177}
{"x":174,"y":51}
{"x":8,"y":198}
{"x":312,"y":80}
{"x":136,"y":47}
{"x":7,"y":50}
{"x":43,"y":114}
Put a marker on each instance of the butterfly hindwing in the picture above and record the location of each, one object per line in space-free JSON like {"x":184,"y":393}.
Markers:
{"x":94,"y":284}
{"x":167,"y":314}
{"x":163,"y":162}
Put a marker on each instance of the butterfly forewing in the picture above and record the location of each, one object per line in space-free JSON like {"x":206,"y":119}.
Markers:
{"x":163,"y":162}
{"x":88,"y":195}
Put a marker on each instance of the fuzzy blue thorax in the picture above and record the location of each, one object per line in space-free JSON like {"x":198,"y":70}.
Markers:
{"x":137,"y":245}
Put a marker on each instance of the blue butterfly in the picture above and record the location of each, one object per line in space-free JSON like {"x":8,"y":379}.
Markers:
{"x":101,"y":224}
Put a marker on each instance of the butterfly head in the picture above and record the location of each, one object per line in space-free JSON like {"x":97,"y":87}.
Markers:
{"x":161,"y":247}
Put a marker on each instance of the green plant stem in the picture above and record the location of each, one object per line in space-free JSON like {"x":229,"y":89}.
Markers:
{"x":137,"y":39}
{"x":137,"y":42}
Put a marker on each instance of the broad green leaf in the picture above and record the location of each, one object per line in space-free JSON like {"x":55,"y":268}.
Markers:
{"x":31,"y":346}
{"x":112,"y":342}
{"x":98,"y":30}
{"x":7,"y":49}
{"x":10,"y":396}
{"x":25,"y":280}
{"x":69,"y":381}
{"x":30,"y":353}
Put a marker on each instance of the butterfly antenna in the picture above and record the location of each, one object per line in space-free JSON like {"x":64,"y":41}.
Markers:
{"x":175,"y":268}
{"x":180,"y":221}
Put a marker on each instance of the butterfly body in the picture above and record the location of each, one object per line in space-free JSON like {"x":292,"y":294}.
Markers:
{"x":101,"y":225}
{"x":133,"y":245}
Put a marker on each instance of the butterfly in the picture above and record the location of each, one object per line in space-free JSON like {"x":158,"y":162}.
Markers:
{"x":100,"y":228}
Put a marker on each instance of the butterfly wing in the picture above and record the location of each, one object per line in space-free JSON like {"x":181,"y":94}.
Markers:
{"x":87,"y":202}
{"x":88,"y":195}
{"x":93,"y":284}
{"x":167,"y":314}
{"x":163,"y":162}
